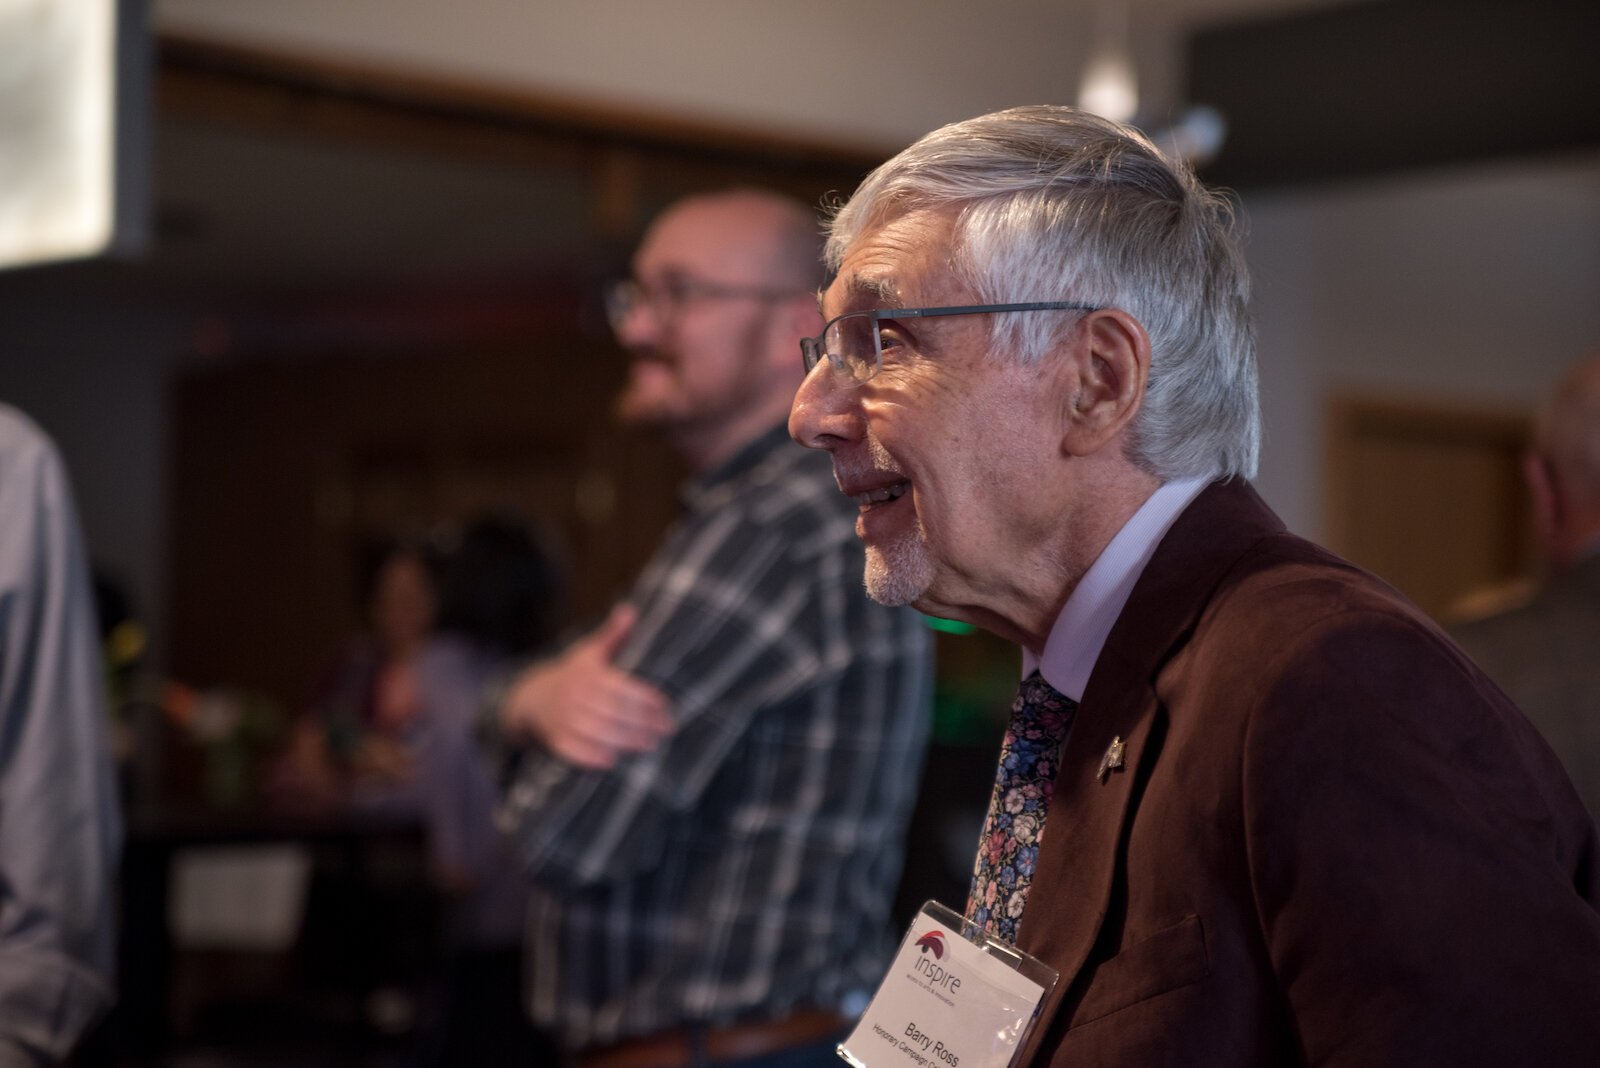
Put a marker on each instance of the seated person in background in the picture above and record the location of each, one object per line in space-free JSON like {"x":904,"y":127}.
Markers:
{"x":1545,"y":651}
{"x":395,"y":732}
{"x":501,"y":601}
{"x":350,"y":737}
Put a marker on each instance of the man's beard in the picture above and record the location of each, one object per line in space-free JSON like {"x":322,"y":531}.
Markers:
{"x":660,"y":392}
{"x":653,"y":404}
{"x":901,"y":572}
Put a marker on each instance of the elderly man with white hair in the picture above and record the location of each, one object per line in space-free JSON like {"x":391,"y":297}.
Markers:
{"x":1253,"y":806}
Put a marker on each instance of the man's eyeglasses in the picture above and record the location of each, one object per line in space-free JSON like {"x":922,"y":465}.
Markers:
{"x":667,"y":298}
{"x":853,"y":343}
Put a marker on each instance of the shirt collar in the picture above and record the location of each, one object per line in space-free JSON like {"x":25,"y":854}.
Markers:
{"x":1086,"y":619}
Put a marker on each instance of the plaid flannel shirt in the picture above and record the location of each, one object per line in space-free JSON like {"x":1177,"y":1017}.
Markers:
{"x":746,"y":867}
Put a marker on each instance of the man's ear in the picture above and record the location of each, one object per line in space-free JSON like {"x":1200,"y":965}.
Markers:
{"x":1546,"y":494}
{"x":1106,"y":368}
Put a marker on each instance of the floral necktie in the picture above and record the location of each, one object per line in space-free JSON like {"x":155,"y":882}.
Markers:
{"x":1029,"y":757}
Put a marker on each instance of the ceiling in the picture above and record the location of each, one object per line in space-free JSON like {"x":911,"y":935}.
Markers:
{"x":263,"y":211}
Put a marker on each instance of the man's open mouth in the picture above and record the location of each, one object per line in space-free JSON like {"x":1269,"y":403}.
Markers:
{"x":883,"y":493}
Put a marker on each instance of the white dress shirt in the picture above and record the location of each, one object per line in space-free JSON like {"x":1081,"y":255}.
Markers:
{"x":1086,"y":619}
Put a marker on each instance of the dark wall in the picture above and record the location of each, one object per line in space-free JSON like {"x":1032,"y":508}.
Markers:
{"x":1371,"y":88}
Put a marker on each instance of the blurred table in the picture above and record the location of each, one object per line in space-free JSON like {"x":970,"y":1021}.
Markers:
{"x":362,"y":856}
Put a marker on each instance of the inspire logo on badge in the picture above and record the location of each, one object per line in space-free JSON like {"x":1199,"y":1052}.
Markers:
{"x":939,"y":980}
{"x":948,"y":1001}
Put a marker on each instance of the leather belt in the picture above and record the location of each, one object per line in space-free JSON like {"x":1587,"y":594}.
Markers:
{"x":676,"y":1049}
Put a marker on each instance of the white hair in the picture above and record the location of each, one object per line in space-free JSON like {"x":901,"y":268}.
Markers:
{"x":1057,"y":204}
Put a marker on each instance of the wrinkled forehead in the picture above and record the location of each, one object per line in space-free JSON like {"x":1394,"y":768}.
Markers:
{"x":908,"y":260}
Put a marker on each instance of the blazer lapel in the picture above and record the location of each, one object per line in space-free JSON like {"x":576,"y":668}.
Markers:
{"x":1077,"y":859}
{"x":1088,"y":811}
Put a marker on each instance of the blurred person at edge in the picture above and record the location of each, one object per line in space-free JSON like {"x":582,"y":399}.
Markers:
{"x":1272,"y":815}
{"x":713,"y":803}
{"x":60,"y":826}
{"x":1544,"y":651}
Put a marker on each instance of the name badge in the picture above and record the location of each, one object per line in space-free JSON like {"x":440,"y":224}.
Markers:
{"x":953,"y":998}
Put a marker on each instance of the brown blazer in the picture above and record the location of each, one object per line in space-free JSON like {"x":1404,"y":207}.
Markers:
{"x":1332,"y":841}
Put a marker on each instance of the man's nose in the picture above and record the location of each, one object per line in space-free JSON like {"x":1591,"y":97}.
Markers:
{"x":642,"y":325}
{"x":825,"y":413}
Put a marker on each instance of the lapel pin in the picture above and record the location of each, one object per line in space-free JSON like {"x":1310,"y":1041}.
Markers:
{"x":1112,"y":759}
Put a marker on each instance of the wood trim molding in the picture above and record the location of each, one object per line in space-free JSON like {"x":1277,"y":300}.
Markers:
{"x":1433,"y":419}
{"x":196,"y":75}
{"x":1350,"y":416}
{"x":1464,"y":460}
